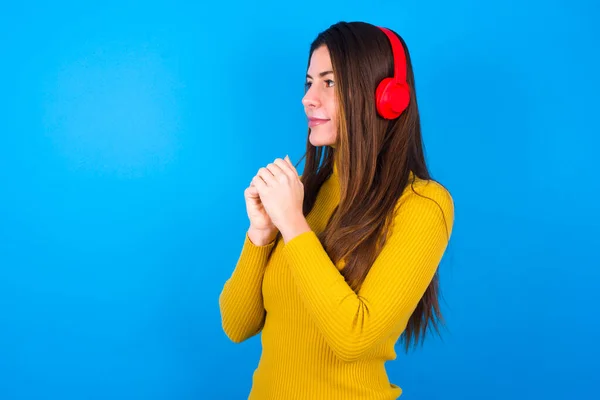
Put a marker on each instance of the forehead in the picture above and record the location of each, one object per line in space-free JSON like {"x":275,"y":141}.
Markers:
{"x":319,"y":61}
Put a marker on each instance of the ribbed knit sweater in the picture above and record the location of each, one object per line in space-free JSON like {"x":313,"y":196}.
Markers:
{"x":320,"y":339}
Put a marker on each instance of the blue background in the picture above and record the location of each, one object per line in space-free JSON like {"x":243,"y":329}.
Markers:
{"x":130,"y":130}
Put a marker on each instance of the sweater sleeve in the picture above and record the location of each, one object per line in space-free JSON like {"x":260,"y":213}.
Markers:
{"x":353,"y":323}
{"x":240,"y":301}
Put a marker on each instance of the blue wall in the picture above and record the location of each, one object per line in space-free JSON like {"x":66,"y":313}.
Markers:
{"x":128,"y":133}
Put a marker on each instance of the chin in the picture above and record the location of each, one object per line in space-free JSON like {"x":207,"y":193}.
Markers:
{"x":321,"y":140}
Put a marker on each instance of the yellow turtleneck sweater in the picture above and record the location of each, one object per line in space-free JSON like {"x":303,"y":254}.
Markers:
{"x":320,"y":339}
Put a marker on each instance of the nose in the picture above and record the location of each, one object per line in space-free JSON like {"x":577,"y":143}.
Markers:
{"x":311,"y":99}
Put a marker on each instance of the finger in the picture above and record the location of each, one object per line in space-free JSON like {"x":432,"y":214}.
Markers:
{"x":287,"y":158}
{"x":267,"y":176}
{"x":252,"y":191}
{"x":259,"y":187}
{"x":263,"y":179}
{"x":285,"y":167}
{"x":276,"y":169}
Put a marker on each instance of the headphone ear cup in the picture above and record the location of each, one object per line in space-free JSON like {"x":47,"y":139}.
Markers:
{"x":391,"y":98}
{"x":382,"y":99}
{"x":401,"y":97}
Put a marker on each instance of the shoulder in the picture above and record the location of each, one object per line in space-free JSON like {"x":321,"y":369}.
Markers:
{"x":421,"y":190}
{"x":426,"y":200}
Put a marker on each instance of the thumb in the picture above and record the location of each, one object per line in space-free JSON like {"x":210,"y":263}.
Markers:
{"x":287,"y":158}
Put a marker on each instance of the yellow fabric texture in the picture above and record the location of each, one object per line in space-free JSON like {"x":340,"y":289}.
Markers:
{"x":320,"y":339}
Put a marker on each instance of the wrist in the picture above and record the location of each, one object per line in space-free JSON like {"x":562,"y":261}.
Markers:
{"x":294,"y":227}
{"x":260,"y":237}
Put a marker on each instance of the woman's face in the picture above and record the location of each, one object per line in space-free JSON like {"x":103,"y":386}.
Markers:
{"x":320,"y":104}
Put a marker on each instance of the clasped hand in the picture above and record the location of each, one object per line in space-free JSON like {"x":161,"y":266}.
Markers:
{"x":282,"y":194}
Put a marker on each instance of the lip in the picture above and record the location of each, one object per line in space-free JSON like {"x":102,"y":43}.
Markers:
{"x":316,"y":121}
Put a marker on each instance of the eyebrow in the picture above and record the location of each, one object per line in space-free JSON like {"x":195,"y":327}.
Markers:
{"x":322,"y":74}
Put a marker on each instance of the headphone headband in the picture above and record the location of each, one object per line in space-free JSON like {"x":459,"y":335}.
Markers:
{"x":392,"y":95}
{"x":398,"y":54}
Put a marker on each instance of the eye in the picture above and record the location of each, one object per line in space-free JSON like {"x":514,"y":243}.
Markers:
{"x":330,"y":83}
{"x":307,"y":86}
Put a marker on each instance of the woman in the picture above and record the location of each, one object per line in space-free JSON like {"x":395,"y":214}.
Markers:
{"x":340,"y":263}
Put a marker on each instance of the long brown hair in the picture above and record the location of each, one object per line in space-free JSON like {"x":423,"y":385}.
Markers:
{"x":374,"y":159}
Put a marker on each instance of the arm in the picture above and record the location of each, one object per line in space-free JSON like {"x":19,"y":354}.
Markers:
{"x":354,"y":323}
{"x":240,"y":301}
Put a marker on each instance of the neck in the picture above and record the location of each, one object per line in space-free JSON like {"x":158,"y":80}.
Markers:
{"x":335,"y":165}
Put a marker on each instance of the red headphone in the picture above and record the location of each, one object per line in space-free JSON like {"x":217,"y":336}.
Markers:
{"x":392,"y":95}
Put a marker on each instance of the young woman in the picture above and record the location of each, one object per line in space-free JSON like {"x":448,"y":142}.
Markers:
{"x":339,"y":263}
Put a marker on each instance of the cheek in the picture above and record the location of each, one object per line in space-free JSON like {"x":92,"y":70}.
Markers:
{"x":333,"y":113}
{"x":332,"y":107}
